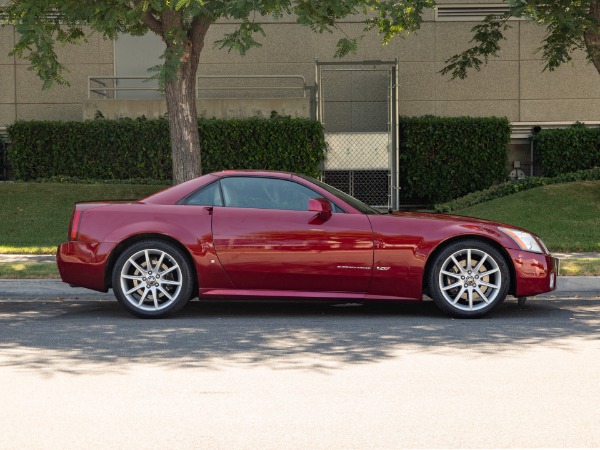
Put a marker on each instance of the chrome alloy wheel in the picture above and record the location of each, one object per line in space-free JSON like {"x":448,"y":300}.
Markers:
{"x":151,"y":280}
{"x":470,"y":279}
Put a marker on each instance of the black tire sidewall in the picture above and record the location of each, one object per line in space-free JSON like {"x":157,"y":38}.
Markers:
{"x":441,"y":257}
{"x":186,"y":275}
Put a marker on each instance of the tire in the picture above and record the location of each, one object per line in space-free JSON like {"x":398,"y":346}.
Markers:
{"x":469,"y":279}
{"x":162,"y":290}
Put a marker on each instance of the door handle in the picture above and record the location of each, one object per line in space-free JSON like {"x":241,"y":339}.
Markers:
{"x":209,"y":209}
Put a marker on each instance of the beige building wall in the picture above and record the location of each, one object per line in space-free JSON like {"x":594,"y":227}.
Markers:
{"x":513,"y":85}
{"x":8,"y":104}
{"x":21,"y":93}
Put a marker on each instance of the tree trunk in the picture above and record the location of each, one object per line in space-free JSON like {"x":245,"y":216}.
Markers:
{"x":180,"y":92}
{"x":183,"y":125}
{"x":592,"y":35}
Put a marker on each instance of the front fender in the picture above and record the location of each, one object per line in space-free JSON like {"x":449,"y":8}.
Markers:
{"x":404,"y":247}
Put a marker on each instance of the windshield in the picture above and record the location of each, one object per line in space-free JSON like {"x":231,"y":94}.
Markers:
{"x":365,"y":209}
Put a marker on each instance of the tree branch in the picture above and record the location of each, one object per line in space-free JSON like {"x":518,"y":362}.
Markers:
{"x":196,"y":33}
{"x":199,"y":28}
{"x":592,"y":35}
{"x":153,"y":23}
{"x":150,"y":20}
{"x":487,"y":44}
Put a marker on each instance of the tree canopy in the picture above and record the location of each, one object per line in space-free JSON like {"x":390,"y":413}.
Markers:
{"x":570,"y":25}
{"x":183,"y":24}
{"x":43,"y":23}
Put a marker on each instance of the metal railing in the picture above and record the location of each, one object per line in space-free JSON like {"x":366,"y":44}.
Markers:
{"x":109,"y":87}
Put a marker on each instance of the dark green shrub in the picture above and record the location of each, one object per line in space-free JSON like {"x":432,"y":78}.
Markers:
{"x":280,"y":143}
{"x":99,"y":149}
{"x":140,"y":148}
{"x":3,"y":157}
{"x":568,"y":150}
{"x":442,"y":158}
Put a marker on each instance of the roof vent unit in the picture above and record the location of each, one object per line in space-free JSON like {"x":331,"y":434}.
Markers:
{"x":468,"y":13}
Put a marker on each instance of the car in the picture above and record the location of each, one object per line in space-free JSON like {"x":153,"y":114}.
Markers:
{"x":278,"y":235}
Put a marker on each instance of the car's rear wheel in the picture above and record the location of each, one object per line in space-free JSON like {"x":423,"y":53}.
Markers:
{"x":152,"y":279}
{"x":468,"y":279}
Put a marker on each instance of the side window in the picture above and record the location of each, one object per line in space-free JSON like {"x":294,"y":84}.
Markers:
{"x":266,"y":193}
{"x":207,"y":196}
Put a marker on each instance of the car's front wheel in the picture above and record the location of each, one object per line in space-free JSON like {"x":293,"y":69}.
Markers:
{"x":152,"y":279}
{"x":468,"y":279}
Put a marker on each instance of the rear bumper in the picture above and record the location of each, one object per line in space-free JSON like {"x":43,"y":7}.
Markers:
{"x":83,"y":264}
{"x":535,"y":273}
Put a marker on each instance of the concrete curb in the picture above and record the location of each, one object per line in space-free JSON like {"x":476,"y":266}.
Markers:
{"x":577,"y":286}
{"x":45,"y":289}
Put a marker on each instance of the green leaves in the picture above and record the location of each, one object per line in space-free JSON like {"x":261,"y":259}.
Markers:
{"x":43,"y":23}
{"x":570,"y":26}
{"x":242,"y":39}
{"x":345,"y":46}
{"x":487,"y":37}
{"x":396,"y":18}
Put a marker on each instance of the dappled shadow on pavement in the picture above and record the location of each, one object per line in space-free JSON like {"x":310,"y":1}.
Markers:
{"x":79,"y":336}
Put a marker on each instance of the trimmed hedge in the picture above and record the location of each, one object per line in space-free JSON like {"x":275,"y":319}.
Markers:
{"x":568,"y":150}
{"x":140,"y":148}
{"x":442,"y":158}
{"x":512,"y":187}
{"x":2,"y":156}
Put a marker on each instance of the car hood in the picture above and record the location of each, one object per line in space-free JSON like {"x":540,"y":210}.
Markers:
{"x":446,"y":220}
{"x":451,"y":218}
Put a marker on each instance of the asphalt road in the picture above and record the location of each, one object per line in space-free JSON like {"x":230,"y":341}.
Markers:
{"x":81,"y":373}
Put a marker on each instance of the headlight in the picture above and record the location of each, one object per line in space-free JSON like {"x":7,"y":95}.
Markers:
{"x":525,"y":241}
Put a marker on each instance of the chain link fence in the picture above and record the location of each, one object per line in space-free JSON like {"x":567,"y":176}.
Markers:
{"x":355,"y":107}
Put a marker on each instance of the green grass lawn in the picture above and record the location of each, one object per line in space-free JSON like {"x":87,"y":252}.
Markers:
{"x":29,"y":270}
{"x":34,"y":217}
{"x":565,"y":216}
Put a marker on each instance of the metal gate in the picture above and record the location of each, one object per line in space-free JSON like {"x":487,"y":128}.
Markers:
{"x":357,"y":104}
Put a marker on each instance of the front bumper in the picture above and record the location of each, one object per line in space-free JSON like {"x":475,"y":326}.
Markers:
{"x":535,"y":273}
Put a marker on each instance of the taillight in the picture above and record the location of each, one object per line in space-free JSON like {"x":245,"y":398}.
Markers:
{"x":75,"y":221}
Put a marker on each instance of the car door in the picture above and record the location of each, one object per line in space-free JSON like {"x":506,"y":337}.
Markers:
{"x":266,"y":238}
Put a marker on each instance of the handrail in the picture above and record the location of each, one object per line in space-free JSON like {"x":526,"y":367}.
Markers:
{"x":107,"y":86}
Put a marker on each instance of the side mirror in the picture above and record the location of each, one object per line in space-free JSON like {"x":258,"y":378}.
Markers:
{"x":320,"y":205}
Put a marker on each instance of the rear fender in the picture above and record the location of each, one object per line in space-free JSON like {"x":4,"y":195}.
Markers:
{"x":209,"y":273}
